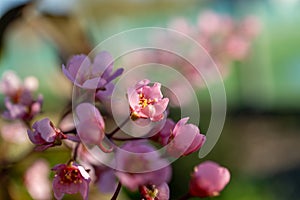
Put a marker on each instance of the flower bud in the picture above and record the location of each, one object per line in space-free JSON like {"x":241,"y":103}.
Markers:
{"x":208,"y":179}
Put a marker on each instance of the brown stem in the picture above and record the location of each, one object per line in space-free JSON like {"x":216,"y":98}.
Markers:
{"x":118,"y":189}
{"x":127,"y":139}
{"x":27,"y":124}
{"x":109,"y":135}
{"x":67,"y":110}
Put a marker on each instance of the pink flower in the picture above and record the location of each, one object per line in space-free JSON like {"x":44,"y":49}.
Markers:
{"x":185,"y":139}
{"x":139,"y":164}
{"x":104,"y":177}
{"x":146,"y":101}
{"x":70,"y":179}
{"x":209,"y":23}
{"x":10,"y":84}
{"x":251,"y":26}
{"x":164,"y":134}
{"x":14,"y":132}
{"x":25,"y":109}
{"x":19,"y":100}
{"x":91,"y":125}
{"x":181,"y":24}
{"x":237,"y":47}
{"x":97,"y":75}
{"x":45,"y":135}
{"x":37,"y":180}
{"x":152,"y":192}
{"x":208,"y":179}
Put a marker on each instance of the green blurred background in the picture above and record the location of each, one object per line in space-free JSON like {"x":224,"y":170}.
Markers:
{"x":260,"y":142}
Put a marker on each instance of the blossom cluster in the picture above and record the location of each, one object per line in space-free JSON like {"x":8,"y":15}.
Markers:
{"x":138,"y":165}
{"x":224,"y":38}
{"x":19,"y":100}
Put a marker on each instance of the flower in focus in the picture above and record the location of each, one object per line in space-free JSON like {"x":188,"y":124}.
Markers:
{"x":19,"y":100}
{"x":45,"y":135}
{"x":97,"y":75}
{"x":208,"y":179}
{"x":91,"y":125}
{"x":185,"y":139}
{"x":152,"y":192}
{"x":164,"y":134}
{"x":37,"y":181}
{"x":138,"y":164}
{"x":146,"y":101}
{"x":70,"y":179}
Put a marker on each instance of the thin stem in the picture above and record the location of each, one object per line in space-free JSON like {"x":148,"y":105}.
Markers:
{"x":27,"y":124}
{"x":71,"y":131}
{"x":185,"y":197}
{"x":114,"y":197}
{"x":127,"y":139}
{"x":109,"y":135}
{"x":66,"y":111}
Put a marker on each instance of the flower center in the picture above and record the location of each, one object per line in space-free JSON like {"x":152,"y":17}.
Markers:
{"x":17,"y":96}
{"x":144,"y":102}
{"x":70,"y":175}
{"x":149,"y":192}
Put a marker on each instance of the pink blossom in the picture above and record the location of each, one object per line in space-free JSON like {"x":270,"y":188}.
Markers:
{"x":147,"y":101}
{"x":104,"y":177}
{"x":19,"y":100}
{"x":37,"y":180}
{"x":209,"y":23}
{"x":25,"y":109}
{"x":237,"y":47}
{"x":140,"y":164}
{"x":14,"y":132}
{"x":185,"y":139}
{"x":181,"y":24}
{"x":91,"y":125}
{"x":97,"y":75}
{"x":164,"y":134}
{"x":70,"y":178}
{"x":10,"y":84}
{"x":152,"y":192}
{"x":45,"y":135}
{"x":208,"y":179}
{"x":251,"y":27}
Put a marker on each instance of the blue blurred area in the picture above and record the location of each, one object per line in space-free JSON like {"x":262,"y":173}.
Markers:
{"x":5,"y":5}
{"x":49,"y":6}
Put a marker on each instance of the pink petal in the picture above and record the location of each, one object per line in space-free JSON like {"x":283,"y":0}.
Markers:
{"x":179,"y":124}
{"x":103,"y":64}
{"x":86,"y":111}
{"x":163,"y":192}
{"x":153,"y":92}
{"x":76,"y":67}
